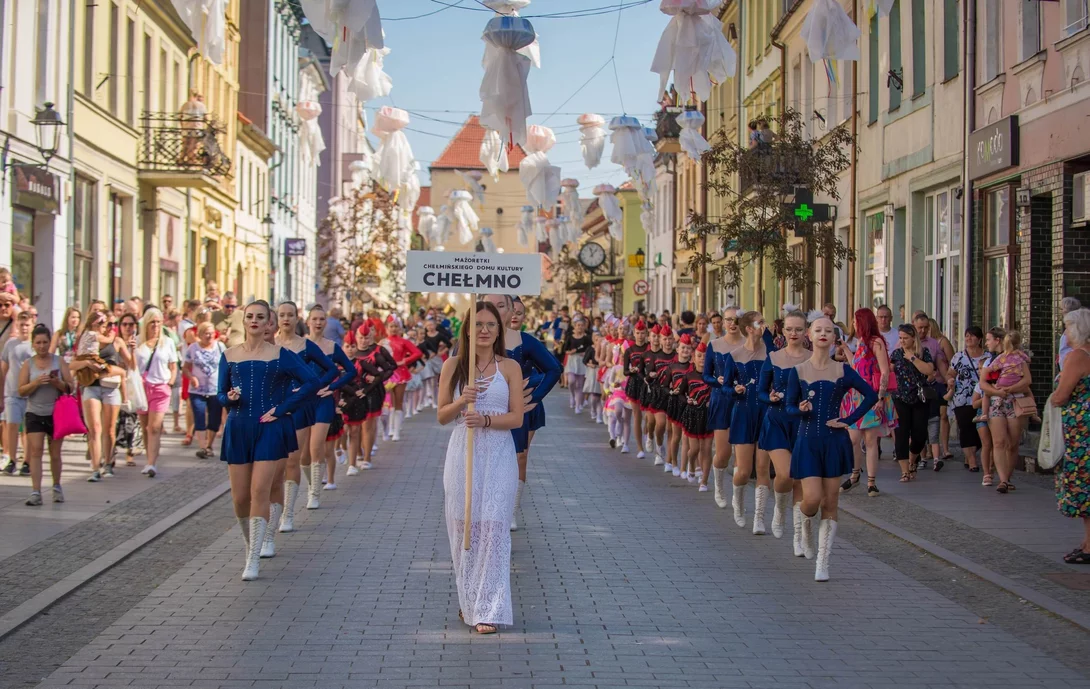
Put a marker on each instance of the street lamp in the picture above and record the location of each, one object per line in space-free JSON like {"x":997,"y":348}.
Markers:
{"x":267,"y":222}
{"x":48,"y":123}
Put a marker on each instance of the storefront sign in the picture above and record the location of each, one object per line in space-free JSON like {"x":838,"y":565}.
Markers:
{"x":295,"y":247}
{"x":993,"y":148}
{"x":35,"y":187}
{"x":473,"y":272}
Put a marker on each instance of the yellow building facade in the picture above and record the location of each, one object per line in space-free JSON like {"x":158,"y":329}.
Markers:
{"x":151,"y":219}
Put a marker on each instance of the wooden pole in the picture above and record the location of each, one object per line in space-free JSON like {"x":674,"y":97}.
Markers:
{"x":471,"y":323}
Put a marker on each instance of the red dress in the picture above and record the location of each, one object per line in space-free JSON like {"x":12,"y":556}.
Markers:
{"x":405,"y":353}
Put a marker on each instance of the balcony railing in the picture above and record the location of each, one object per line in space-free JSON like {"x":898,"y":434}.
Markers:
{"x":180,"y":150}
{"x":770,"y":166}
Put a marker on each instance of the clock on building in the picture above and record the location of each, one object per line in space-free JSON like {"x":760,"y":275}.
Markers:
{"x":592,"y":255}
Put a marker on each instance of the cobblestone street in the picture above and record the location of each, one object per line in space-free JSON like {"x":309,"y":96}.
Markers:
{"x":622,"y":577}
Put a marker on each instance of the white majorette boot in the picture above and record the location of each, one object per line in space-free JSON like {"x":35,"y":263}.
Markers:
{"x":826,"y":535}
{"x":738,"y":502}
{"x":291,"y":492}
{"x":779,"y":513}
{"x":253,"y":548}
{"x":719,"y":479}
{"x":659,"y":456}
{"x":759,"y":504}
{"x":268,"y":544}
{"x":314,"y":488}
{"x":796,"y":519}
{"x":244,"y":525}
{"x":807,"y":535}
{"x":518,"y":502}
{"x":399,"y":417}
{"x":648,"y":443}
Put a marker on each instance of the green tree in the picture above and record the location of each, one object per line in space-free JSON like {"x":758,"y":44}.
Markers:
{"x":754,"y":183}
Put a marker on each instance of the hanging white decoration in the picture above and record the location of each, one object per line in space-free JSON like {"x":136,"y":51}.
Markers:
{"x":308,"y":110}
{"x":572,"y":229}
{"x":505,"y":99}
{"x":880,"y":7}
{"x":410,"y":191}
{"x":647,"y":217}
{"x":510,"y":8}
{"x":360,"y":170}
{"x":541,"y":180}
{"x":829,"y":32}
{"x":311,"y":143}
{"x":569,"y":196}
{"x":632,"y":150}
{"x":493,"y":154}
{"x":553,"y":231}
{"x":349,"y":26}
{"x":444,"y":223}
{"x":369,"y":81}
{"x":488,"y":244}
{"x":592,"y":138}
{"x":611,"y":209}
{"x":426,"y":224}
{"x":465,"y":218}
{"x":693,"y":47}
{"x":395,"y":156}
{"x":206,"y":20}
{"x":692,"y":141}
{"x":540,"y":229}
{"x":472,"y":179}
{"x":526,"y":226}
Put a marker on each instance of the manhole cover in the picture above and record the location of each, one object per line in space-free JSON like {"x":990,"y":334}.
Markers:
{"x":1072,"y":580}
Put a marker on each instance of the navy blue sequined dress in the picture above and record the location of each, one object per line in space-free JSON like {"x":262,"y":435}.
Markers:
{"x":819,"y":449}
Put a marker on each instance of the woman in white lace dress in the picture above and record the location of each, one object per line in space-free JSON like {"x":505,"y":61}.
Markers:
{"x":482,"y":573}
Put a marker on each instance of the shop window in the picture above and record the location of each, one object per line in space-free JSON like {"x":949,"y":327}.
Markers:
{"x":22,"y":250}
{"x":942,"y":242}
{"x":1000,"y":257}
{"x":83,"y":240}
{"x":874,"y":261}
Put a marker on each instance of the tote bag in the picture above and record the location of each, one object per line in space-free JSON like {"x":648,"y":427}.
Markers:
{"x":66,"y":418}
{"x":134,"y":391}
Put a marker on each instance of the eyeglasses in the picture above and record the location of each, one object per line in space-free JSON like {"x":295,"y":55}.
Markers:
{"x":230,"y":307}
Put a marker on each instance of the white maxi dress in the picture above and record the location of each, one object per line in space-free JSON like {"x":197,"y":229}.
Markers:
{"x":483,"y":573}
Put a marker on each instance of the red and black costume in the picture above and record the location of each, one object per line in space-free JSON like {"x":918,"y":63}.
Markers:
{"x":633,"y":369}
{"x":694,"y":419}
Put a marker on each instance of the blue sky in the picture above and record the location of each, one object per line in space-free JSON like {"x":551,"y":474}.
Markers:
{"x":435,"y":64}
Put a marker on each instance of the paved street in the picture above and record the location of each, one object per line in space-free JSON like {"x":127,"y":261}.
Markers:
{"x":622,"y":577}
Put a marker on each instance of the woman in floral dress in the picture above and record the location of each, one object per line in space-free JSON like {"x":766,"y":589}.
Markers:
{"x":1072,"y":396}
{"x":871,"y":361}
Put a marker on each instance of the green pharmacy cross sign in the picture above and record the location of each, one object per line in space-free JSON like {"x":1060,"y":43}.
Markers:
{"x":802,"y":211}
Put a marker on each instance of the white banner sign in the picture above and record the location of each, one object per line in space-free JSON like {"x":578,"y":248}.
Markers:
{"x":473,"y":273}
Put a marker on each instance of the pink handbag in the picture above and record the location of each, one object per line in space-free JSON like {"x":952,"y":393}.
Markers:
{"x":67,"y":419}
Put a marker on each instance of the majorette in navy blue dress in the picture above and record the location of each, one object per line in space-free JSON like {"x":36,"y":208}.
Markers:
{"x":819,"y":449}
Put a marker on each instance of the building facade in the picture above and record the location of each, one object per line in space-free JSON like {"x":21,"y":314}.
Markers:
{"x":35,"y":198}
{"x":1028,"y":158}
{"x":659,"y":264}
{"x":253,"y":152}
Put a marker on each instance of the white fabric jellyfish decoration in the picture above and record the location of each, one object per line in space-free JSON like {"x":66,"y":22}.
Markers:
{"x":693,"y":47}
{"x":830,"y":33}
{"x":510,"y":8}
{"x":592,"y":138}
{"x":395,"y":156}
{"x":410,"y":191}
{"x":611,"y":209}
{"x":647,"y":217}
{"x":369,"y":81}
{"x":505,"y":99}
{"x":553,"y":231}
{"x":541,"y":232}
{"x":574,"y":229}
{"x":425,"y":224}
{"x":541,"y":180}
{"x":444,"y":223}
{"x":493,"y":154}
{"x":632,"y":150}
{"x":472,"y":179}
{"x":206,"y":20}
{"x":692,"y":141}
{"x":349,"y":26}
{"x":465,"y":218}
{"x":569,"y":196}
{"x":526,"y":226}
{"x":311,"y":140}
{"x":488,"y":244}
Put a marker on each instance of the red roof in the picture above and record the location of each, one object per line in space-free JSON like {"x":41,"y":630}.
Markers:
{"x":424,"y":200}
{"x":463,"y":152}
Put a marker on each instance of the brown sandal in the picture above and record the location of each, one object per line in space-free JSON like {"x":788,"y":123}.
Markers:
{"x":482,"y":628}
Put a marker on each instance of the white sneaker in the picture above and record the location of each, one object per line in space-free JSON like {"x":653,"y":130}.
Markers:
{"x":330,"y":486}
{"x":150,"y":471}
{"x":342,"y":456}
{"x":677,"y":471}
{"x":684,"y":475}
{"x":640,"y":455}
{"x":366,"y":465}
{"x":668,"y":469}
{"x":353,"y":471}
{"x":624,"y":449}
{"x":659,"y":461}
{"x":703,"y":488}
{"x":145,"y":469}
